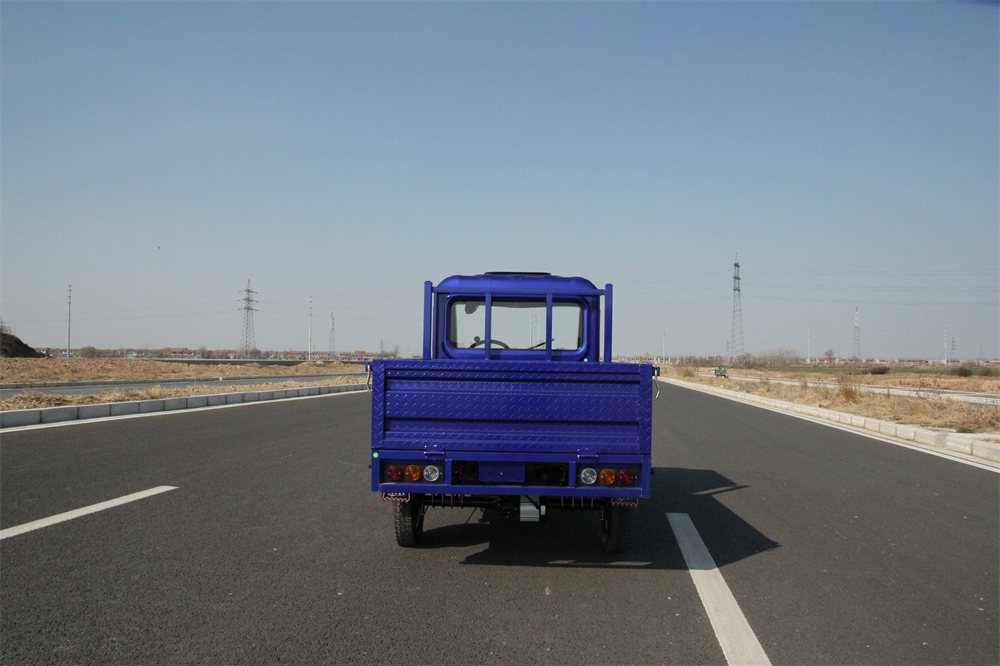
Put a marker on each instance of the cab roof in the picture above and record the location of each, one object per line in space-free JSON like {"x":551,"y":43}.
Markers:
{"x":525,"y":283}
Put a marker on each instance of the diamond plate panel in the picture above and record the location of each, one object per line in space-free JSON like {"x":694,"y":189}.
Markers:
{"x":536,"y":406}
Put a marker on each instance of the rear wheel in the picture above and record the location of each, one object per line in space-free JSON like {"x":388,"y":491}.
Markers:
{"x":614,"y":528}
{"x":409,"y":519}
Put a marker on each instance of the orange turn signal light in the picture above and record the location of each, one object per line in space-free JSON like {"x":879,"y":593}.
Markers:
{"x":607,"y":476}
{"x":413,"y":472}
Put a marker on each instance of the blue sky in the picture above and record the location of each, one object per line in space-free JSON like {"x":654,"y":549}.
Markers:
{"x":156,"y":156}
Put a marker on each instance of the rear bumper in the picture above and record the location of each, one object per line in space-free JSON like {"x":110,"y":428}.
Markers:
{"x":549,"y":475}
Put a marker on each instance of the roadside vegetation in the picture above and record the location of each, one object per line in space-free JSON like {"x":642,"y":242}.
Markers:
{"x":22,"y":370}
{"x":841,"y":392}
{"x":33,"y":370}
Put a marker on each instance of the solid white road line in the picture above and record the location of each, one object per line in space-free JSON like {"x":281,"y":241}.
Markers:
{"x":739,"y":643}
{"x":76,"y":513}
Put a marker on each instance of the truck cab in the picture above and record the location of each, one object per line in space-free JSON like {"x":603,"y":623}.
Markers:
{"x":512,"y":407}
{"x":515,"y":316}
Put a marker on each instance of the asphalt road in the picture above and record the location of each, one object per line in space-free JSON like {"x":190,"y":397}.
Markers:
{"x":838,"y":549}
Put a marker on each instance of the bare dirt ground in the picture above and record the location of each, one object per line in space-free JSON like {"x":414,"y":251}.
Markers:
{"x":845,"y":396}
{"x":23,"y":370}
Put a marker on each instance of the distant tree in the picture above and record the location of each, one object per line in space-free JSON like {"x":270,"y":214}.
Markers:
{"x":778,"y":357}
{"x":88,"y":352}
{"x":829,"y":355}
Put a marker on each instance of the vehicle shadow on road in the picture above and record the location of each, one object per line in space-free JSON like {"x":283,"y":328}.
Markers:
{"x":572,"y":538}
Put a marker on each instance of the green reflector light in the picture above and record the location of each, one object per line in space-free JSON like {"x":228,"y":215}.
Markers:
{"x":374,"y":454}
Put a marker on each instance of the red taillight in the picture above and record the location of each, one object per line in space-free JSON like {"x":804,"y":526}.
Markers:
{"x":394,"y":472}
{"x":626,"y":477}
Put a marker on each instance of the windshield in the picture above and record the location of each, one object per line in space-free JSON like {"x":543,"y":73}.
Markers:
{"x":516,"y":324}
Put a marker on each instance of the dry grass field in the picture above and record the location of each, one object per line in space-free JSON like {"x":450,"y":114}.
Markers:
{"x":32,"y":370}
{"x":23,"y":370}
{"x":845,"y":396}
{"x":921,"y":380}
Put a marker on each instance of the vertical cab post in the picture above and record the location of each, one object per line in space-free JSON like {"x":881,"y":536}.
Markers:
{"x":607,"y":323}
{"x":548,"y":326}
{"x":488,"y":344}
{"x":428,"y":315}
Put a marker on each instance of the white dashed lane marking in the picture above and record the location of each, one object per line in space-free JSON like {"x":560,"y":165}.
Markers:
{"x":76,"y":513}
{"x":738,"y":642}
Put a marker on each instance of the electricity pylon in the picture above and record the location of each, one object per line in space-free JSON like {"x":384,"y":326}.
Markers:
{"x":736,"y":352}
{"x":247,"y":343}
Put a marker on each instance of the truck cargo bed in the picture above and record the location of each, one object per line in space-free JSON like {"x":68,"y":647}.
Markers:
{"x":515,"y":406}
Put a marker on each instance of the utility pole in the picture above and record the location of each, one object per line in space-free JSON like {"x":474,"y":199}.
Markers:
{"x":309,"y":351}
{"x":857,"y":336}
{"x":247,"y":343}
{"x":947,"y":357}
{"x":69,"y":317}
{"x":809,"y":346}
{"x":333,"y":346}
{"x":736,"y":352}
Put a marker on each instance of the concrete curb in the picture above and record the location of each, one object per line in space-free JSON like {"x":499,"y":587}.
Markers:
{"x":28,"y":417}
{"x":960,"y":443}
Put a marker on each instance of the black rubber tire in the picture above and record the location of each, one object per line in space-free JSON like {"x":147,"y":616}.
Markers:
{"x":409,"y":519}
{"x":614,"y":528}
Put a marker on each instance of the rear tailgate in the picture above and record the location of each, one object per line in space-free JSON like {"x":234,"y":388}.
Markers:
{"x":512,"y":406}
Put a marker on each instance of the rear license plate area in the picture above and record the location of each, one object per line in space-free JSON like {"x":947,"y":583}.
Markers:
{"x":501,"y":472}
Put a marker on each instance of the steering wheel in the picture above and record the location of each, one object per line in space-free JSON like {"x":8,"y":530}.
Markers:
{"x":494,"y":341}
